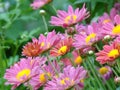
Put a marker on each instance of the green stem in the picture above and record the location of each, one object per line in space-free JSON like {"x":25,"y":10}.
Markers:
{"x":53,"y":8}
{"x":98,"y":79}
{"x":52,"y":65}
{"x":45,"y":23}
{"x":115,"y":72}
{"x":84,"y":64}
{"x":97,"y":47}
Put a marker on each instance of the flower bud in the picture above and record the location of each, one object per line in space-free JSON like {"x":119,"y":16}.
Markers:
{"x":117,"y":79}
{"x":42,"y":12}
{"x":107,"y":37}
{"x":90,"y":52}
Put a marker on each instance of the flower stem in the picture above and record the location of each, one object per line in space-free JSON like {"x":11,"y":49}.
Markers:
{"x":45,"y":23}
{"x":53,"y":7}
{"x":95,"y":75}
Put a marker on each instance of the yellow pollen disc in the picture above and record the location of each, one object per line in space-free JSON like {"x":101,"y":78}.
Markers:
{"x":42,"y":78}
{"x":116,"y":29}
{"x":103,"y":70}
{"x":62,"y":50}
{"x":78,"y":60}
{"x":24,"y":72}
{"x":70,"y":17}
{"x":82,"y":80}
{"x":63,"y":81}
{"x":42,"y":44}
{"x":89,"y":37}
{"x":106,"y":21}
{"x":113,"y":53}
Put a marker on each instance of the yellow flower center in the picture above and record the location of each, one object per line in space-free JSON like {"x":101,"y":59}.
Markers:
{"x":78,"y":60}
{"x":113,"y":53}
{"x":116,"y":29}
{"x":103,"y":70}
{"x":89,"y":37}
{"x":42,"y":78}
{"x":42,"y":44}
{"x":106,"y":21}
{"x":62,"y":50}
{"x":82,"y":80}
{"x":70,"y":17}
{"x":63,"y":81}
{"x":24,"y":72}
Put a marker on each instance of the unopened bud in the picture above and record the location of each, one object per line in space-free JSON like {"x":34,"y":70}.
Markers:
{"x":42,"y":12}
{"x":117,"y":79}
{"x":107,"y":37}
{"x":90,"y":52}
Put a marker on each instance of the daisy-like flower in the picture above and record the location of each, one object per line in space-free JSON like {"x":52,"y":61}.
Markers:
{"x":112,"y":29}
{"x":87,"y":38}
{"x":48,"y":41}
{"x":108,"y":54}
{"x":69,"y":18}
{"x":105,"y":72}
{"x":108,"y":18}
{"x":39,"y":3}
{"x":45,"y":74}
{"x":62,"y":47}
{"x":32,"y":49}
{"x":77,"y":58}
{"x":70,"y":78}
{"x":22,"y":71}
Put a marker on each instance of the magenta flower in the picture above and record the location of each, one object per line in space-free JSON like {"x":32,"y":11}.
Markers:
{"x":105,"y":72}
{"x":108,"y":18}
{"x":45,"y":74}
{"x":108,"y":54}
{"x":66,"y":19}
{"x":88,"y":37}
{"x":39,"y":3}
{"x":112,"y":28}
{"x":70,"y":78}
{"x":22,"y":71}
{"x":48,"y":41}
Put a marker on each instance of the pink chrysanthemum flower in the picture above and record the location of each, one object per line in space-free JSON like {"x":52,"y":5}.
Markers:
{"x":108,"y":54}
{"x":43,"y":76}
{"x":48,"y":41}
{"x":108,"y":18}
{"x":39,"y":3}
{"x":105,"y":72}
{"x":87,"y":38}
{"x":69,"y":18}
{"x":70,"y":78}
{"x":112,"y":29}
{"x":22,"y":71}
{"x":76,"y":59}
{"x":32,"y":49}
{"x":62,"y":47}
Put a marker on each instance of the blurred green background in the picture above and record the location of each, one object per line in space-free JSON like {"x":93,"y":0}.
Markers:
{"x":19,"y":23}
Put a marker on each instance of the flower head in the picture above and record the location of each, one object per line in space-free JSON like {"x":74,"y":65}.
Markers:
{"x":112,"y":29}
{"x":62,"y":47}
{"x":32,"y":49}
{"x":88,"y":37}
{"x":45,"y":74}
{"x":108,"y":54}
{"x":106,"y":72}
{"x":48,"y":41}
{"x":71,"y":77}
{"x":69,"y":18}
{"x":22,"y":71}
{"x":39,"y":3}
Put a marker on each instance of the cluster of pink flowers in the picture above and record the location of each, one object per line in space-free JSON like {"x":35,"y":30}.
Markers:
{"x":55,"y":61}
